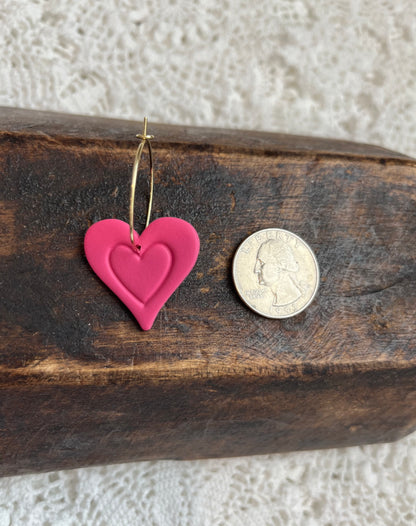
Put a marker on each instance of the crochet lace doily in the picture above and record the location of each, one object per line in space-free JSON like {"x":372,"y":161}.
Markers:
{"x":335,"y":68}
{"x":360,"y":486}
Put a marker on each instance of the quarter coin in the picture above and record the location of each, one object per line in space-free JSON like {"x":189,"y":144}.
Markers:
{"x":275,"y":273}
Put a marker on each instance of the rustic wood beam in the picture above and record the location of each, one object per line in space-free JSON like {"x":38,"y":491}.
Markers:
{"x":81,"y":384}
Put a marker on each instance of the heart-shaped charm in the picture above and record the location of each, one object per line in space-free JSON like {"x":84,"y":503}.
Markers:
{"x":145,"y":278}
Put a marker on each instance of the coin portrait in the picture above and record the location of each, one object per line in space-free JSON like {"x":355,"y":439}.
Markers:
{"x":275,"y":273}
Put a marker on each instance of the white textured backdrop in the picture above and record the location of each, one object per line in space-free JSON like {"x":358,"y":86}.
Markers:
{"x":343,"y":69}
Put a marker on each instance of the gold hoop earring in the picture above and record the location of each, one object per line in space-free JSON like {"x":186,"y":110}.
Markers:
{"x":142,"y":270}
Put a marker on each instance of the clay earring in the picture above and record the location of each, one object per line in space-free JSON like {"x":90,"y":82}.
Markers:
{"x":142,"y":270}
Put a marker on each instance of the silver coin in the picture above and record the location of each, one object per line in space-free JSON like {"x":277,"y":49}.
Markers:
{"x":276,"y":273}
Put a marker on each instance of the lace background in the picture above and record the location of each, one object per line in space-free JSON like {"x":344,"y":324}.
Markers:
{"x":342,"y":69}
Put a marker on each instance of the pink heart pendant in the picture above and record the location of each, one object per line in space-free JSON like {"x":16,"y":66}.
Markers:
{"x":144,"y":279}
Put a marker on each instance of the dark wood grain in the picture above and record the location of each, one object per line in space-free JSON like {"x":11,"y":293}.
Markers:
{"x":81,"y":384}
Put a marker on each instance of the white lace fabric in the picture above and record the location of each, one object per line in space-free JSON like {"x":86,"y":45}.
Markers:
{"x":342,"y":69}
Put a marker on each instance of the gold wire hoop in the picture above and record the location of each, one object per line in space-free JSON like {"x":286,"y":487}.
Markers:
{"x":144,"y":140}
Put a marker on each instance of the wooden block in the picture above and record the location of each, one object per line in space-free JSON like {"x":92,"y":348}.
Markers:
{"x":81,"y":384}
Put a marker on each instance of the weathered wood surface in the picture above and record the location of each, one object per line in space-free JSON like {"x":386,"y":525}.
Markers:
{"x":81,"y":384}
